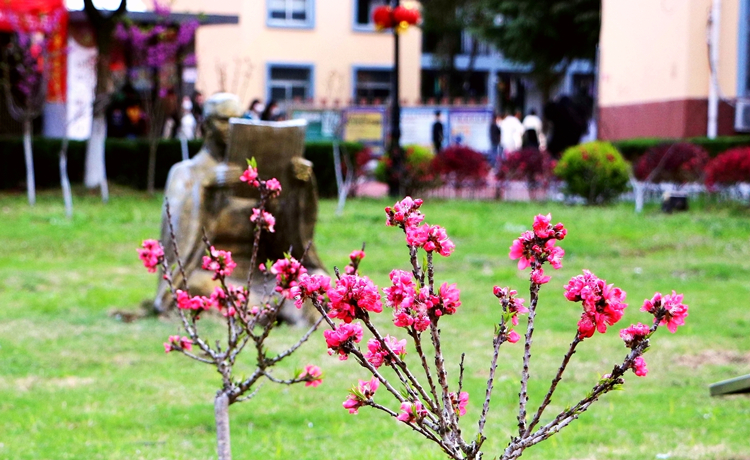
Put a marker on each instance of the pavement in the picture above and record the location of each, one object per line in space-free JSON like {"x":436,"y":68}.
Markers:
{"x":492,"y":190}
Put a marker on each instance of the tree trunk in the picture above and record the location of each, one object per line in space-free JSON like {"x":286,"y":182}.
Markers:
{"x":29,"y":157}
{"x":64,"y":181}
{"x":221,"y":412}
{"x":96,"y":174}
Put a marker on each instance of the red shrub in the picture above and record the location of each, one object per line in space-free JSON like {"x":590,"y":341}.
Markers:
{"x":681,"y":162}
{"x":530,"y":164}
{"x":462,"y":164}
{"x":729,"y":168}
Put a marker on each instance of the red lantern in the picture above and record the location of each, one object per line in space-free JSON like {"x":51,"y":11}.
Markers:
{"x":400,"y":14}
{"x":405,"y":17}
{"x":382,"y":17}
{"x":413,"y":17}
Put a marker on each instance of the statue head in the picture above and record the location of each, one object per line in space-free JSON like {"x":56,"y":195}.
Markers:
{"x":217,"y":110}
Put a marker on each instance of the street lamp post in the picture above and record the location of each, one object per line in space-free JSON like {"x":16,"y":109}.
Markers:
{"x":395,"y":184}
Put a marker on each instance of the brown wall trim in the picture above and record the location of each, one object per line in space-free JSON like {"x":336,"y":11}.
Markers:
{"x":681,"y":118}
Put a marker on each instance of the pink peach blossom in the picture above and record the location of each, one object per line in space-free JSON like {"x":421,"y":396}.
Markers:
{"x":351,"y":296}
{"x":151,"y":254}
{"x":361,"y":394}
{"x":313,"y":374}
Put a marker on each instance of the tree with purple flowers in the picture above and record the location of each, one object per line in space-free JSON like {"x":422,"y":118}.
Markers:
{"x":156,"y":47}
{"x":26,"y":66}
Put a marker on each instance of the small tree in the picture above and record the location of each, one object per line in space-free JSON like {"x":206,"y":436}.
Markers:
{"x":429,"y":403}
{"x":26,"y":66}
{"x":246,"y":324}
{"x":155,"y":47}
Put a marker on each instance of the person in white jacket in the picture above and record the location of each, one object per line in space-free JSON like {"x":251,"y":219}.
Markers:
{"x":511,"y":132}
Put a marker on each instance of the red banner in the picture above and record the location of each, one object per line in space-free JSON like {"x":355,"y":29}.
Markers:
{"x":31,"y":10}
{"x":33,"y":15}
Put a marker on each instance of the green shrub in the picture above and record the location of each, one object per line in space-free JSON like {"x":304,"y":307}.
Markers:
{"x":127,"y":161}
{"x":321,"y":155}
{"x":419,"y":171}
{"x":632,"y":149}
{"x":595,"y":171}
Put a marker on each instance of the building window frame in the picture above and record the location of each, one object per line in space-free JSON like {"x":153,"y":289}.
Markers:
{"x":743,"y":49}
{"x":310,"y":88}
{"x":287,"y":23}
{"x":359,"y":27}
{"x":356,"y":69}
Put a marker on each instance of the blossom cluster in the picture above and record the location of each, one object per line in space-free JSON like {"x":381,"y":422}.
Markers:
{"x":361,"y":394}
{"x":354,"y":259}
{"x":312,"y":374}
{"x":412,"y":412}
{"x":602,"y":303}
{"x":459,"y":402}
{"x":538,"y":246}
{"x":351,"y":296}
{"x":219,"y":262}
{"x":406,"y":215}
{"x":287,"y":271}
{"x":340,"y":340}
{"x":512,"y":306}
{"x":263,"y":219}
{"x":669,"y":307}
{"x":313,"y":287}
{"x":177,"y":343}
{"x":377,"y":355}
{"x":218,"y":300}
{"x":151,"y":253}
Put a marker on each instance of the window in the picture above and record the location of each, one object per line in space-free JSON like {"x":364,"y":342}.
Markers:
{"x":290,"y":13}
{"x":363,"y":12}
{"x":372,"y":84}
{"x":288,"y":83}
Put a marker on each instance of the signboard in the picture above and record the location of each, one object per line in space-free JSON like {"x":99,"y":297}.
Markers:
{"x":365,"y":125}
{"x":470,"y":127}
{"x":322,"y":125}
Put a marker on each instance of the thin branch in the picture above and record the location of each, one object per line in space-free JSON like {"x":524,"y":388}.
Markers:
{"x":553,"y":385}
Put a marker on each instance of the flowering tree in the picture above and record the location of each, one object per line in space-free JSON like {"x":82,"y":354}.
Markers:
{"x":246,"y":324}
{"x":155,"y":47}
{"x":428,"y":404}
{"x":26,"y":66}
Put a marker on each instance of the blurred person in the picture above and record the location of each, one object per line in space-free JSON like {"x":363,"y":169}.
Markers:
{"x":272,"y":112}
{"x":197,"y":100}
{"x":568,"y":121}
{"x":511,"y":132}
{"x":438,"y":132}
{"x":495,"y":154}
{"x":533,"y":135}
{"x":255,"y":110}
{"x":187,"y":122}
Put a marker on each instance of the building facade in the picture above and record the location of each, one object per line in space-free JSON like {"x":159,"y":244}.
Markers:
{"x":654,"y":72}
{"x":302,"y":51}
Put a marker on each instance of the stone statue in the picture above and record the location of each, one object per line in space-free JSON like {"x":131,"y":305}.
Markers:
{"x":205,"y":194}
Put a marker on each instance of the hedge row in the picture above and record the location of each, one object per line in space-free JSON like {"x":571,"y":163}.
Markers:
{"x":632,"y":149}
{"x":127,"y":162}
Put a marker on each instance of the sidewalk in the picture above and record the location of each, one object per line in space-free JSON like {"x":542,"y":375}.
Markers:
{"x":514,"y":191}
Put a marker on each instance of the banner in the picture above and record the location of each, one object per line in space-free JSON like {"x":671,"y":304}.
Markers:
{"x":366,"y":125}
{"x":470,"y":127}
{"x":416,"y":125}
{"x":322,"y":125}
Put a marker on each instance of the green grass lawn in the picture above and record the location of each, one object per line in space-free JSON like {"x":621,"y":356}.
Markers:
{"x":75,"y":383}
